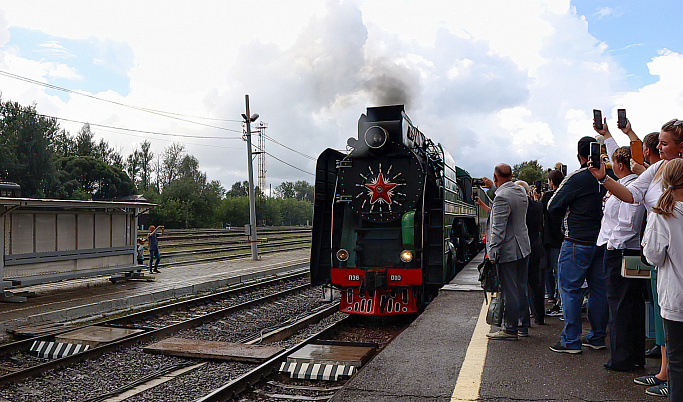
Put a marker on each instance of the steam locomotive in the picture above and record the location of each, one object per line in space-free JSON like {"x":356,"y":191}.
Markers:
{"x":394,"y":218}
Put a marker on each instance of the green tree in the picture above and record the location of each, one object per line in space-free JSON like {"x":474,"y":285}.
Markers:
{"x":303,"y":191}
{"x":171,"y":164}
{"x":286,"y":190}
{"x":26,"y":149}
{"x":86,"y":177}
{"x":530,"y":172}
{"x":239,"y":189}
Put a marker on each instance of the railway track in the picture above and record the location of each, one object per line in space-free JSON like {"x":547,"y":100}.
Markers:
{"x":265,"y":382}
{"x":9,"y":353}
{"x":176,"y":235}
{"x":192,"y":246}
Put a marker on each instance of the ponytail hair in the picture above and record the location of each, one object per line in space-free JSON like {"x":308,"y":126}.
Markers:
{"x":672,"y":179}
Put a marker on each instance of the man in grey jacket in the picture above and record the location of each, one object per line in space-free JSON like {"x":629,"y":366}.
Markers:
{"x":507,"y":243}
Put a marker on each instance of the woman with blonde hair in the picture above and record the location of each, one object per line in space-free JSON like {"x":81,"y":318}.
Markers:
{"x":663,"y":247}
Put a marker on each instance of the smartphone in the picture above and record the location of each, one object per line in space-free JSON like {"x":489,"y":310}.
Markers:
{"x":477,"y":182}
{"x":597,"y":119}
{"x":595,"y":155}
{"x":564,"y":170}
{"x":621,"y":122}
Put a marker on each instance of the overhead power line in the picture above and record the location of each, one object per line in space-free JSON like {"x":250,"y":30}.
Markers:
{"x":135,"y":130}
{"x":291,"y":149}
{"x":281,"y":161}
{"x":168,"y":140}
{"x":171,"y":115}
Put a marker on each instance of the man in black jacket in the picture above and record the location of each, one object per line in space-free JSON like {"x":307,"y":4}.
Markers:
{"x":579,"y":199}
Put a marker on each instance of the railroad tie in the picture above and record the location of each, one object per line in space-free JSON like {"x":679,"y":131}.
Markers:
{"x":317,"y":371}
{"x":56,"y":350}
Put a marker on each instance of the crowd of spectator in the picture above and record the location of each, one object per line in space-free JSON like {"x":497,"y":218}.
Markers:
{"x":569,"y":243}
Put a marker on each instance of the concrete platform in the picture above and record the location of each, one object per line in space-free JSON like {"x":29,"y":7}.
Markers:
{"x":203,"y":349}
{"x":84,"y":298}
{"x":444,"y":355}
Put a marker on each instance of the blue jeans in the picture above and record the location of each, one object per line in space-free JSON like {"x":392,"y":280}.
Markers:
{"x":154,"y":256}
{"x":578,"y":263}
{"x":513,"y":278}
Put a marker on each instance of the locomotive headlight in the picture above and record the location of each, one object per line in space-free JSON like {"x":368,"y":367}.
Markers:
{"x":376,"y":137}
{"x":406,"y":255}
{"x":342,"y":255}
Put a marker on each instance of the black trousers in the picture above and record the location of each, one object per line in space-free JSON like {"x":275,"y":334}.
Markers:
{"x":674,"y":357}
{"x":535,"y":285}
{"x":626,"y":300}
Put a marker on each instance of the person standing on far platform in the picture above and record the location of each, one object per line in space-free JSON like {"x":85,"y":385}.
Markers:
{"x":153,"y":245}
{"x":507,"y":243}
{"x":579,"y":200}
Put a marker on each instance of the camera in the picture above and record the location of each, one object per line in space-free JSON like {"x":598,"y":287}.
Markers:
{"x":477,"y":182}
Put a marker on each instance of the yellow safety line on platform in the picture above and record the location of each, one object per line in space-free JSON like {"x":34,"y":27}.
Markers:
{"x":469,"y":378}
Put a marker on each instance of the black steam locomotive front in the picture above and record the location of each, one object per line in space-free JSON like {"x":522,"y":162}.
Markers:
{"x":375,"y":208}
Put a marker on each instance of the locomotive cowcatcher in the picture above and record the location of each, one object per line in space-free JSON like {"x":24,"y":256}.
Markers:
{"x":394,"y":218}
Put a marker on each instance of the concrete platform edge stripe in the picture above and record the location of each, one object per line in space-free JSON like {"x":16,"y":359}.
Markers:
{"x":327,"y":371}
{"x":335,"y":372}
{"x":309,"y":370}
{"x":56,"y":350}
{"x":469,"y":377}
{"x":317,"y":371}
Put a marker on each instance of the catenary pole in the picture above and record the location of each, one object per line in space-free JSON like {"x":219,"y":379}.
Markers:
{"x":252,"y":202}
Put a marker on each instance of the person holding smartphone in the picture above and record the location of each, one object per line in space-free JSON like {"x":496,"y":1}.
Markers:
{"x":153,"y":245}
{"x":579,"y":200}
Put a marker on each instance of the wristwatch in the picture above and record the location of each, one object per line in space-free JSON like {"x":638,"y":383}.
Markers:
{"x":604,"y":179}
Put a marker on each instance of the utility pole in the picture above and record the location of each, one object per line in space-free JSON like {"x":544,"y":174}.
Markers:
{"x":248,"y":118}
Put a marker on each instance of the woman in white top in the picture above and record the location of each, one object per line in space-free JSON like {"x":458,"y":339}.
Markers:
{"x":646,"y":189}
{"x":620,"y":231}
{"x":663,"y":247}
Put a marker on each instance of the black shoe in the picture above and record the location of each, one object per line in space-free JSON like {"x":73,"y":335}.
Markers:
{"x":649,"y":380}
{"x":654,"y":352}
{"x":659,"y":390}
{"x":156,"y":271}
{"x":584,"y":342}
{"x":554,"y":311}
{"x":561,"y":349}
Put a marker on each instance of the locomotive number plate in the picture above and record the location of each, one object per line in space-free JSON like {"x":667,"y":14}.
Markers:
{"x":395,"y":278}
{"x":354,"y":277}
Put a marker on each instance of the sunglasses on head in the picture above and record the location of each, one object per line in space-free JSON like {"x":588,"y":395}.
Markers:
{"x":674,"y":123}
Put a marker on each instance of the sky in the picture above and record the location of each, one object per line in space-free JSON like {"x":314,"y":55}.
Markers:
{"x":491,"y":80}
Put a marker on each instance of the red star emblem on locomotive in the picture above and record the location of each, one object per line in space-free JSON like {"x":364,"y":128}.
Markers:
{"x":381,"y":190}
